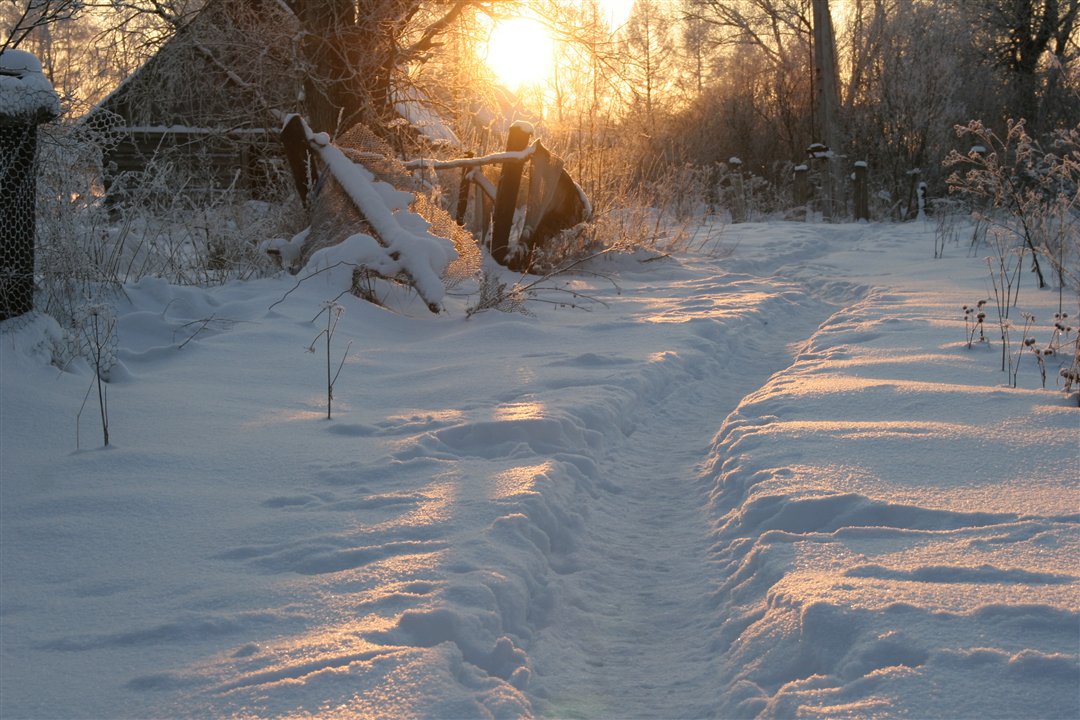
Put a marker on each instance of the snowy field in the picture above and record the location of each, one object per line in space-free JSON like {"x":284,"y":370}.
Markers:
{"x":771,"y":484}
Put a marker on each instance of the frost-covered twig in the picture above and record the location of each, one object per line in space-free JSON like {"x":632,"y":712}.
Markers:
{"x":310,"y":275}
{"x":202,"y":326}
{"x":1025,"y":342}
{"x":974,"y":319}
{"x":98,"y":330}
{"x":334,"y":311}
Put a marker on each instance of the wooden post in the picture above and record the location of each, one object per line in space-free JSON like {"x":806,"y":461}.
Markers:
{"x":913,"y":193}
{"x":862,"y":196}
{"x":481,"y":224}
{"x":819,"y":160}
{"x":738,"y":194}
{"x":463,"y":194}
{"x":506,"y":197}
{"x":301,"y":158}
{"x":802,"y":190}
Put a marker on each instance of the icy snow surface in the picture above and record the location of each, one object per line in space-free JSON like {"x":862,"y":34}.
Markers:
{"x":772,"y":484}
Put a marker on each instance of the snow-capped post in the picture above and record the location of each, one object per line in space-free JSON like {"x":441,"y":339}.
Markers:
{"x":913,"y":193}
{"x":820,"y":154}
{"x":802,"y":190}
{"x":738,"y":194}
{"x":27,"y":100}
{"x":506,"y":197}
{"x":862,"y":196}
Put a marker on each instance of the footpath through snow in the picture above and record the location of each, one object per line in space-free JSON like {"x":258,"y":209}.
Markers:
{"x":771,"y":484}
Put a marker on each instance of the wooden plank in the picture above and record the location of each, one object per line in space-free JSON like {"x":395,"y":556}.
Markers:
{"x":506,"y":198}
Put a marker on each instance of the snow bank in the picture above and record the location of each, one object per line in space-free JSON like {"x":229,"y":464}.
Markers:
{"x":898,"y":535}
{"x":773,"y":484}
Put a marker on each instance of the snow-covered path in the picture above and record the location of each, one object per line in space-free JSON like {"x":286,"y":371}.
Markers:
{"x":631,"y":634}
{"x":635,"y":616}
{"x":764,"y":484}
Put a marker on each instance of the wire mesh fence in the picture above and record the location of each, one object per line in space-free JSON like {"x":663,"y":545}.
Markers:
{"x":27,"y":100}
{"x":18,"y":191}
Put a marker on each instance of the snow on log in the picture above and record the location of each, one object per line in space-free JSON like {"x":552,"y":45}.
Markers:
{"x":473,"y":162}
{"x":402,"y":244}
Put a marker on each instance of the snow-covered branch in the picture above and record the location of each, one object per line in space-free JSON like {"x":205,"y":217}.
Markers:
{"x":472,"y":162}
{"x":403,"y":245}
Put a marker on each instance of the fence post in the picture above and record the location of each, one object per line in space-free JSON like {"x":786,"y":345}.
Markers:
{"x":506,"y":197}
{"x":802,"y":191}
{"x":862,"y":196}
{"x":913,"y":193}
{"x":463,"y":194}
{"x":738,"y":200}
{"x":820,"y":155}
{"x":27,"y":101}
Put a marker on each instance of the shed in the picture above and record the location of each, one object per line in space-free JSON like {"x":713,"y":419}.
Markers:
{"x":198,"y":114}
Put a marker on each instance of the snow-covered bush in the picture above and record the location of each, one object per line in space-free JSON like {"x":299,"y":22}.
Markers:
{"x":1026,"y":192}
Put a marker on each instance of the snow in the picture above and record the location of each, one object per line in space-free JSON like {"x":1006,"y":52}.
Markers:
{"x":770,"y":483}
{"x":406,"y":246}
{"x":25,"y":93}
{"x":416,"y":108}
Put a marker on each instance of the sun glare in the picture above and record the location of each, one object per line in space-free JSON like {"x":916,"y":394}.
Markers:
{"x":520,"y":52}
{"x":616,"y":12}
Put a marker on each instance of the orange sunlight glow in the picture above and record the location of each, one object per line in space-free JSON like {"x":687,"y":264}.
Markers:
{"x":616,"y":12}
{"x":520,"y":50}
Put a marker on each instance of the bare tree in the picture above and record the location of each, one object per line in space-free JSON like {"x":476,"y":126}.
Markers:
{"x":1015,"y":37}
{"x":24,"y":17}
{"x":649,"y":54}
{"x":906,"y":90}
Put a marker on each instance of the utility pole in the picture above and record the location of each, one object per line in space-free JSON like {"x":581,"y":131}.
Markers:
{"x":827,"y":102}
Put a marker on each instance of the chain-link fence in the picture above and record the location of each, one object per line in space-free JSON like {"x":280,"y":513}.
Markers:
{"x":26,"y":101}
{"x":18,"y":150}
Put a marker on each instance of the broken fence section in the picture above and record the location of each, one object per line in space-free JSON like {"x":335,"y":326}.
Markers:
{"x":513,"y":224}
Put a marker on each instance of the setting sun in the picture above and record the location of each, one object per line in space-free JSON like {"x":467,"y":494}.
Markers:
{"x":519,"y":52}
{"x":616,"y":12}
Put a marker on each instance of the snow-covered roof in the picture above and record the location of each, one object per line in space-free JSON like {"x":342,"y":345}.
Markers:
{"x":25,"y":93}
{"x":412,"y":105}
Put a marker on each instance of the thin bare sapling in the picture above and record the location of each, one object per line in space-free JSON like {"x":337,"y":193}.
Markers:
{"x":1004,"y":281}
{"x":333,"y":311}
{"x":1028,"y":342}
{"x":98,"y":336}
